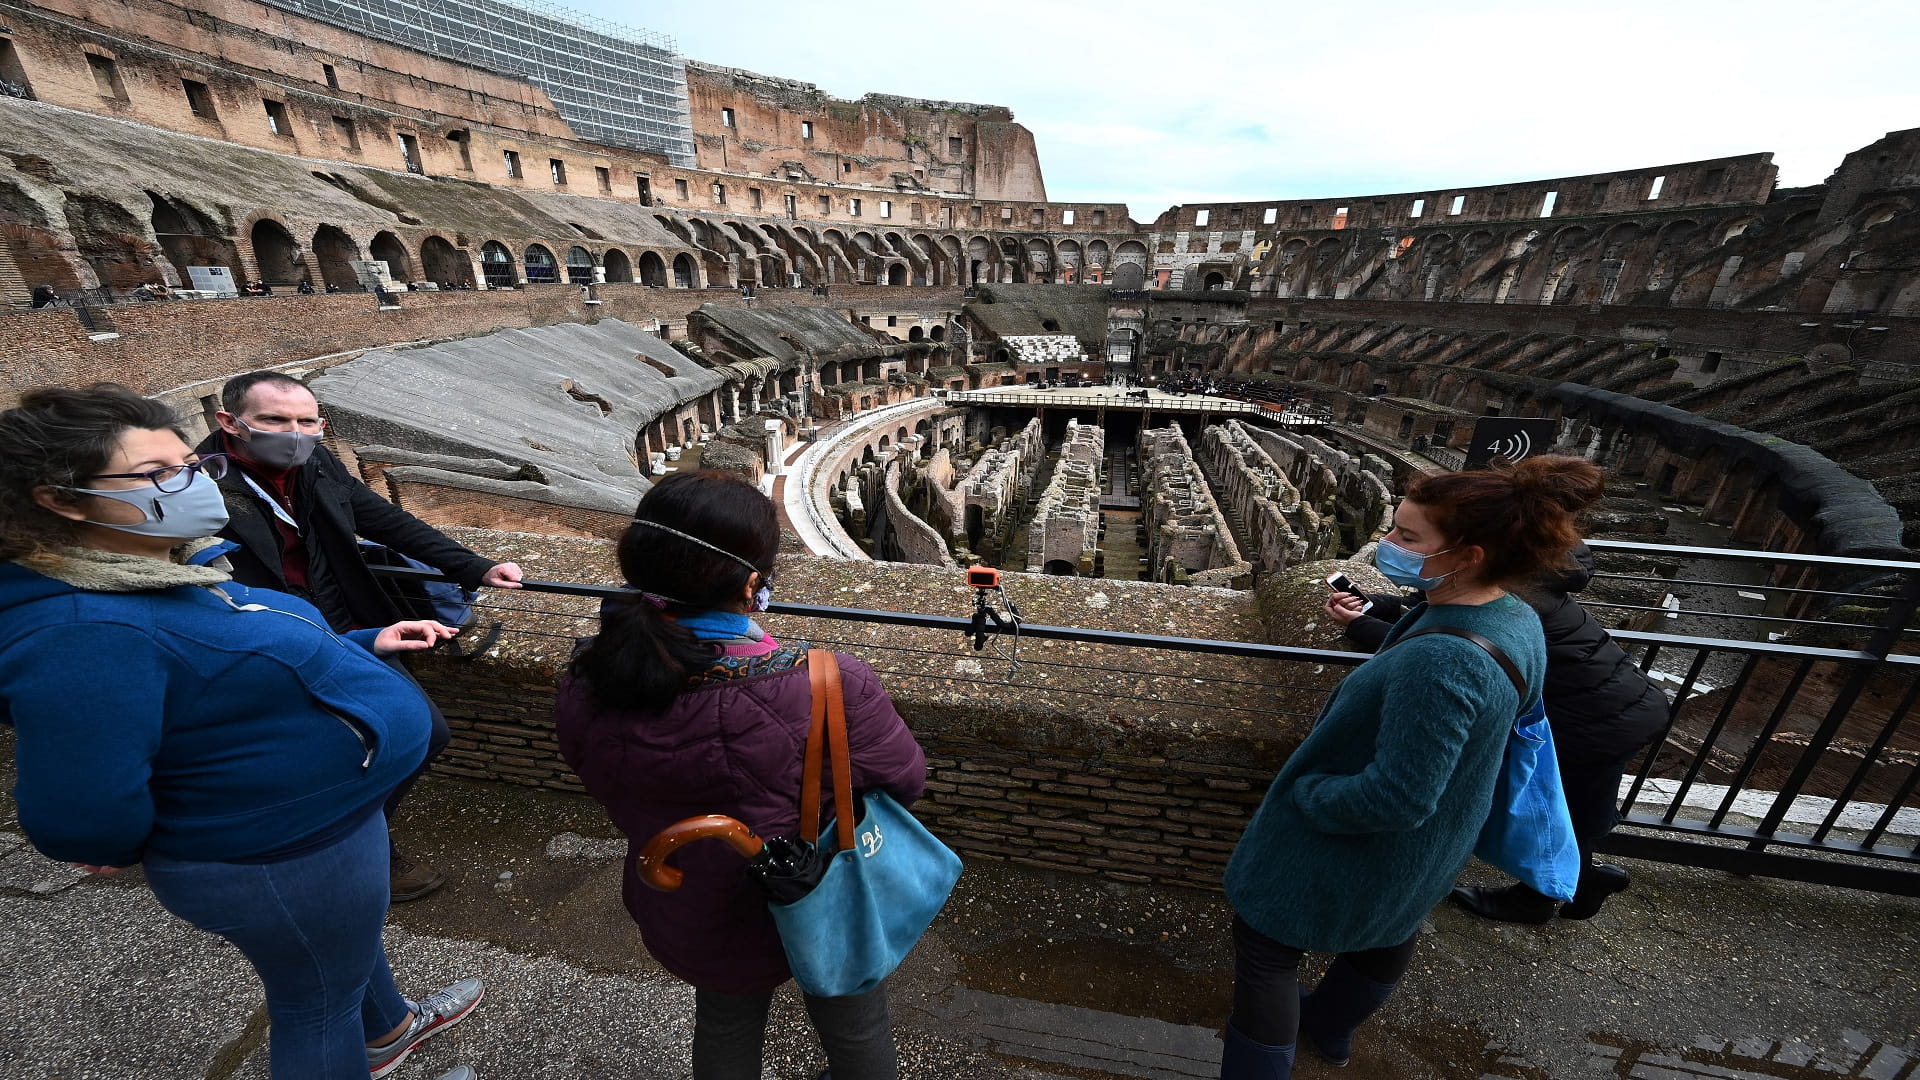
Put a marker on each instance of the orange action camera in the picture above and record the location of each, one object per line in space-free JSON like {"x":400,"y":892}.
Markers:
{"x":983,"y":577}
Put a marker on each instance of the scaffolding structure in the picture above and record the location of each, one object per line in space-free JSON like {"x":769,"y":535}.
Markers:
{"x":613,"y":84}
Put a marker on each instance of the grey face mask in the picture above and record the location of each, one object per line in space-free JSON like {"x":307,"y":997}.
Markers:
{"x":194,"y":511}
{"x":277,"y":449}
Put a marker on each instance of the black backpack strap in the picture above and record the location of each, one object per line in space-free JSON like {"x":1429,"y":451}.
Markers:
{"x":1506,"y":664}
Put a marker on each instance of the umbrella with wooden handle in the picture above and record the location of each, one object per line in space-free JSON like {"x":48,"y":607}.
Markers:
{"x":786,"y":869}
{"x":651,"y":863}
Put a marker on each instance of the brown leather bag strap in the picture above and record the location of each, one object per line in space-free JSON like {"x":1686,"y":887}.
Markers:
{"x":829,"y":706}
{"x":810,"y":767}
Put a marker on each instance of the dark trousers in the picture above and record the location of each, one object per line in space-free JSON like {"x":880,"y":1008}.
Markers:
{"x":1593,"y":798}
{"x":437,"y":739}
{"x":730,"y":1030}
{"x":1266,"y":981}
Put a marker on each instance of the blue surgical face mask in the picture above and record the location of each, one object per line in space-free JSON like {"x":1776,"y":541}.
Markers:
{"x":761,"y":598}
{"x":194,"y":511}
{"x":1402,"y":567}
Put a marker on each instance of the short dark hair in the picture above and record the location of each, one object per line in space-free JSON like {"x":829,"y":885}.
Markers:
{"x":234,"y":395}
{"x":59,"y":437}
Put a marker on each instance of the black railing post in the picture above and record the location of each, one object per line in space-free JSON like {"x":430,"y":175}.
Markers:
{"x":1879,"y":645}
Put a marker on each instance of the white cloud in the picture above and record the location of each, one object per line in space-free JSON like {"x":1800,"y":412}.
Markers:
{"x":1134,"y":102}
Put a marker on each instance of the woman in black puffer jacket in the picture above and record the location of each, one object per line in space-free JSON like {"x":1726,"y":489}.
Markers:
{"x":1603,"y":711}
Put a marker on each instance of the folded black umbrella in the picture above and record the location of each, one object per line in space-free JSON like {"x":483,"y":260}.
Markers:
{"x":788,"y":869}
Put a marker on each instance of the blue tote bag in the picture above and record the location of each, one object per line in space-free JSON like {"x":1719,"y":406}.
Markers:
{"x":1529,"y":833}
{"x":886,"y":877}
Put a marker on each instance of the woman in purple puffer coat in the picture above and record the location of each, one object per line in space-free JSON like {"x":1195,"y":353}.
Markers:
{"x":683,"y":706}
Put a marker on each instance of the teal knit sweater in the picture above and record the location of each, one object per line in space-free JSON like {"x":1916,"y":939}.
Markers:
{"x":1373,"y":816}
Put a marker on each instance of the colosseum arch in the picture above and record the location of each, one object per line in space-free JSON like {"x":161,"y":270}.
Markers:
{"x":189,"y":237}
{"x":1067,"y":256}
{"x":387,"y":248}
{"x":275,"y":253}
{"x":653,"y":269}
{"x":442,"y":262}
{"x":619,"y":268}
{"x":1039,"y":260}
{"x":1099,"y":259}
{"x":686,"y":273}
{"x":983,"y":261}
{"x":1012,"y":257}
{"x":334,"y":252}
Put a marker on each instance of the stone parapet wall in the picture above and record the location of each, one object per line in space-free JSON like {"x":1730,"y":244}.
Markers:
{"x":1145,"y":767}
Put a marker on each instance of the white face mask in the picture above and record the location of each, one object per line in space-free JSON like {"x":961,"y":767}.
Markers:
{"x":194,"y":511}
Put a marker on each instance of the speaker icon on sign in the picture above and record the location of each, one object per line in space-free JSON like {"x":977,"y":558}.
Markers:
{"x":1513,"y":446}
{"x":1509,"y":437}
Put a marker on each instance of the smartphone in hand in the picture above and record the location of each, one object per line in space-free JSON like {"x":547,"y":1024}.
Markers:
{"x":1341,"y":583}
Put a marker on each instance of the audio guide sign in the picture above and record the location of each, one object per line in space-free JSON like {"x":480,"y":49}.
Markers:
{"x":1509,"y":437}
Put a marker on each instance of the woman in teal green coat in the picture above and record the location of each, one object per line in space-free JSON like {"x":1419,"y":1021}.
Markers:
{"x":1369,"y":821}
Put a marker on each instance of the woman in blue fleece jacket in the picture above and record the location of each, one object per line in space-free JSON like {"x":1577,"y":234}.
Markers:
{"x":224,"y":737}
{"x":1366,"y":825}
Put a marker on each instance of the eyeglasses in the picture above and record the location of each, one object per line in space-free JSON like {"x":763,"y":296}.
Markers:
{"x":174,"y":478}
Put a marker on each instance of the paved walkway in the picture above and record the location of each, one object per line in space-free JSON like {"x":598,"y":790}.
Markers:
{"x":801,"y":494}
{"x":1027,"y":976}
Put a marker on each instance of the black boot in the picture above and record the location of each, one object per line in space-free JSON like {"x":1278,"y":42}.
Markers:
{"x":1244,"y":1059}
{"x":1330,"y":1015}
{"x":1597,"y":882}
{"x":1516,"y":903}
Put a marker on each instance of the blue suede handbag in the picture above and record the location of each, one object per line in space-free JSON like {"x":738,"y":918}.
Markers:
{"x":1529,"y":833}
{"x":886,"y":878}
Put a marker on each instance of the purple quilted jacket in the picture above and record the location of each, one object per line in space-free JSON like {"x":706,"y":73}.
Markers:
{"x":732,"y":746}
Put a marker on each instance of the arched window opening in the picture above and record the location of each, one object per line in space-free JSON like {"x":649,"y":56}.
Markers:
{"x":541,"y":269}
{"x":579,"y":266}
{"x":496,"y":262}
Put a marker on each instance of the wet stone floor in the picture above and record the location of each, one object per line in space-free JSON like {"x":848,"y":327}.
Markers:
{"x":1026,"y":976}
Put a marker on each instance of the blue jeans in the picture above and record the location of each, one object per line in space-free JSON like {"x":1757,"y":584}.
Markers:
{"x":310,"y":926}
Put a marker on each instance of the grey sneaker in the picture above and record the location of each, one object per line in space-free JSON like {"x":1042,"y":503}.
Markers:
{"x":459,"y":1072}
{"x":432,"y":1015}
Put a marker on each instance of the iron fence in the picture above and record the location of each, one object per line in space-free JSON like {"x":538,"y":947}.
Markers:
{"x":1794,"y":759}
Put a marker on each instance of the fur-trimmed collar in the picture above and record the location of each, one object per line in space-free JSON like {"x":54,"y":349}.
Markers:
{"x":93,"y":570}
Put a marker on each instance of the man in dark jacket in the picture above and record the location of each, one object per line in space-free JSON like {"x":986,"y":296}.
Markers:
{"x":297,"y":513}
{"x":1603,"y":710}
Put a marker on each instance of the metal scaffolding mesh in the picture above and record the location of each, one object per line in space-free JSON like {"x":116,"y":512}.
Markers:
{"x":614,"y":84}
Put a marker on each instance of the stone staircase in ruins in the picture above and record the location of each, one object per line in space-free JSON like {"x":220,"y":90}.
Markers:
{"x":1242,"y":539}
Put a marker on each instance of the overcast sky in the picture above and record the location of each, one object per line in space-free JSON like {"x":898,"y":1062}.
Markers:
{"x":1154,"y":103}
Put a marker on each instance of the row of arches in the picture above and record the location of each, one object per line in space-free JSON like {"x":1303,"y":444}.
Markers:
{"x":785,"y":253}
{"x":333,"y":252}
